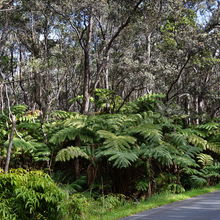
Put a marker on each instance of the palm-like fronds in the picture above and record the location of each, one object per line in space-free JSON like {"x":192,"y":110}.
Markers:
{"x":159,"y":153}
{"x":198,"y":141}
{"x":209,"y":126}
{"x":198,"y":181}
{"x":37,"y":150}
{"x":205,"y":159}
{"x":70,"y":133}
{"x":62,"y":115}
{"x":19,"y":143}
{"x":191,"y":171}
{"x":150,"y":132}
{"x":177,"y":139}
{"x":120,"y":159}
{"x":70,"y":153}
{"x":184,"y":161}
{"x":116,"y":142}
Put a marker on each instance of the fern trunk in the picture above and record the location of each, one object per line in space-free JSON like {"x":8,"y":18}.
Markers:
{"x":150,"y":176}
{"x":77,"y":168}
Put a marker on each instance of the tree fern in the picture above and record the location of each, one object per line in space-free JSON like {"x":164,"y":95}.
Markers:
{"x":20,"y":144}
{"x":198,"y":141}
{"x":113,"y":123}
{"x":214,"y":166}
{"x":120,"y":159}
{"x":150,"y":132}
{"x":209,"y":126}
{"x":70,"y":153}
{"x":116,"y":142}
{"x":148,"y":102}
{"x":186,"y":132}
{"x":198,"y":181}
{"x":184,"y":161}
{"x":78,"y":121}
{"x":159,"y":153}
{"x":70,"y":133}
{"x":188,"y":150}
{"x":205,"y":159}
{"x":41,"y":152}
{"x":177,"y":139}
{"x":191,"y":171}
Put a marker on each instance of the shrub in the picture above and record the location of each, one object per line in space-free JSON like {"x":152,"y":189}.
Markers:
{"x":33,"y":195}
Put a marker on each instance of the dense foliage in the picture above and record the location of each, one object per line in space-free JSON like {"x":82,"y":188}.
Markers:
{"x":135,"y":152}
{"x":112,"y":100}
{"x":33,"y":195}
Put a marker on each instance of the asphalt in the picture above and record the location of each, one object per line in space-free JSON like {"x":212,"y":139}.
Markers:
{"x":204,"y":207}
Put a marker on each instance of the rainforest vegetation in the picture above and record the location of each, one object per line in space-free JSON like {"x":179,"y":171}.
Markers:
{"x":105,"y":103}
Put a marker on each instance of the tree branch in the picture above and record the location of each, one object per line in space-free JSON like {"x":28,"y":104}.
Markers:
{"x":178,"y":77}
{"x":122,"y":27}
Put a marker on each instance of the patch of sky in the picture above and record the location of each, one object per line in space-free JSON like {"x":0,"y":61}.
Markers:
{"x":205,"y":11}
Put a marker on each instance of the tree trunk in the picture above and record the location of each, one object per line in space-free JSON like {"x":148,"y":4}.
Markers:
{"x":86,"y":93}
{"x":77,"y":168}
{"x":150,"y":176}
{"x":148,"y":45}
{"x":10,"y":144}
{"x":87,"y":74}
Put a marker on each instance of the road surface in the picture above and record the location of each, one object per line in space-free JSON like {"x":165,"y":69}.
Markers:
{"x":204,"y":207}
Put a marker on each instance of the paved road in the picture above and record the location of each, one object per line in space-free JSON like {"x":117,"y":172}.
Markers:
{"x":205,"y":207}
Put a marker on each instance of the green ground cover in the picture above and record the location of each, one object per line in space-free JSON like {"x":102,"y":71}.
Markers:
{"x":131,"y":208}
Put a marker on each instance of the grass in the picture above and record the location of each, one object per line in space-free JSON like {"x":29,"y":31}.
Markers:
{"x":153,"y":202}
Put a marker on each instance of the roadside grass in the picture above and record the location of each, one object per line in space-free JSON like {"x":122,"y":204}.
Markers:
{"x":155,"y":201}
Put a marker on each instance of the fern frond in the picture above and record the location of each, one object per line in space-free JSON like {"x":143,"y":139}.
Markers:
{"x":59,"y":114}
{"x":120,"y":159}
{"x":175,"y":188}
{"x":209,"y":126}
{"x":159,"y":153}
{"x":214,"y":166}
{"x":213,"y":147}
{"x":191,"y":171}
{"x":41,"y":152}
{"x":212,"y":173}
{"x":187,"y":132}
{"x":197,"y":141}
{"x":150,"y":132}
{"x":113,"y":141}
{"x":189,"y":150}
{"x":205,"y":159}
{"x":198,"y":181}
{"x":184,"y":161}
{"x":78,"y":121}
{"x":22,"y":144}
{"x":70,"y":133}
{"x":177,"y":139}
{"x":70,"y":153}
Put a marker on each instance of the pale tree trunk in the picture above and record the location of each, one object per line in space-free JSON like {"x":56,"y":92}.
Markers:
{"x":107,"y":81}
{"x":201,"y":107}
{"x":87,"y":70}
{"x":187,"y":104}
{"x":86,"y":82}
{"x":10,"y":144}
{"x":196,"y":103}
{"x":2,"y":98}
{"x":148,"y":44}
